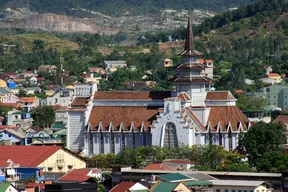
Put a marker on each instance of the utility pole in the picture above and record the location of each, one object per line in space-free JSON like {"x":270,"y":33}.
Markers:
{"x":62,"y":70}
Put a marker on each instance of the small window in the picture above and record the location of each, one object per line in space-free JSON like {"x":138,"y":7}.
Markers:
{"x":274,"y":96}
{"x":50,"y":168}
{"x":239,"y":190}
{"x":226,"y":190}
{"x":233,"y":190}
{"x":218,"y":190}
{"x":245,"y":190}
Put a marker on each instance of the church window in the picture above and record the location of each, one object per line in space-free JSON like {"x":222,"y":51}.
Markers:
{"x":170,"y":138}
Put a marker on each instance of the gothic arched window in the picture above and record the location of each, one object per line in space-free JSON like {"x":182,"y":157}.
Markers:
{"x":170,"y":137}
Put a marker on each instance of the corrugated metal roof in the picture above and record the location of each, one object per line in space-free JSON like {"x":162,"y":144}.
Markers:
{"x":244,"y":183}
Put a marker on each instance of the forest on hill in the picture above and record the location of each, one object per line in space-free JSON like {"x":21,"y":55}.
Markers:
{"x":112,"y":7}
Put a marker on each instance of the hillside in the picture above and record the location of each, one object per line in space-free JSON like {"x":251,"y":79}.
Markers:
{"x":27,"y":40}
{"x":112,"y":7}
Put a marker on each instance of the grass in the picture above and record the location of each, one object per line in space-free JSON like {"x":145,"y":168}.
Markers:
{"x":51,"y":41}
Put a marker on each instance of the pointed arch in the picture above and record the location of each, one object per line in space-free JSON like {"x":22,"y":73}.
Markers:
{"x":170,"y":136}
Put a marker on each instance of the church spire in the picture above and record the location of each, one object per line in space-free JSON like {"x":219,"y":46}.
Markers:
{"x":189,"y":43}
{"x":189,"y":49}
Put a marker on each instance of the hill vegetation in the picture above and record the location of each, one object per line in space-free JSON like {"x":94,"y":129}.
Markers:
{"x":112,"y":7}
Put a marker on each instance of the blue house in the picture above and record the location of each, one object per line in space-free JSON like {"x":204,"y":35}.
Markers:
{"x":13,"y":174}
{"x":12,"y":136}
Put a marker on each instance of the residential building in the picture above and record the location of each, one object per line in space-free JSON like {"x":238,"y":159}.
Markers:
{"x":97,"y":70}
{"x":129,"y":187}
{"x":3,"y":84}
{"x":268,"y":69}
{"x":114,"y":65}
{"x":62,"y":97}
{"x":249,"y":81}
{"x":170,"y":187}
{"x":92,"y":77}
{"x":19,"y":119}
{"x":51,"y":158}
{"x":7,"y":187}
{"x":105,"y":122}
{"x":157,"y":166}
{"x":47,"y":68}
{"x":5,"y":94}
{"x":81,"y":175}
{"x":12,"y":136}
{"x":167,"y":63}
{"x":61,"y":115}
{"x":275,"y":95}
{"x":32,"y":90}
{"x":28,"y":103}
{"x":274,"y":76}
{"x":31,"y":136}
{"x":268,"y":81}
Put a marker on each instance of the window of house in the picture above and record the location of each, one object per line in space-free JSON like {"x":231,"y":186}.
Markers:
{"x":245,"y":190}
{"x":274,"y":96}
{"x":50,"y":168}
{"x":218,"y":190}
{"x":226,"y":190}
{"x":233,"y":190}
{"x":56,"y":100}
{"x":239,"y":190}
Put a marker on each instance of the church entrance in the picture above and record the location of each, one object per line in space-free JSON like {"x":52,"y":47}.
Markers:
{"x":170,"y":137}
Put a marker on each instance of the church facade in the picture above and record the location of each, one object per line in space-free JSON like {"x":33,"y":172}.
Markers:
{"x":106,"y":122}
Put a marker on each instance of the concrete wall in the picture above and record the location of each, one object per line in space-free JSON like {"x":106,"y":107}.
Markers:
{"x":75,"y":130}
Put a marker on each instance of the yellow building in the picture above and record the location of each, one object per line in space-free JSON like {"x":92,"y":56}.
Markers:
{"x":51,"y":158}
{"x":274,"y":76}
{"x":3,"y":83}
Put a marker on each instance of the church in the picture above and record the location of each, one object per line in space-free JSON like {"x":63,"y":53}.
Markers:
{"x":106,"y":122}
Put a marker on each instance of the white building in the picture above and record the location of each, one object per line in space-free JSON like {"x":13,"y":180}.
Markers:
{"x":105,"y":122}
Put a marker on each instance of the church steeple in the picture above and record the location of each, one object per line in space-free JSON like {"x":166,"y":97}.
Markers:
{"x":189,"y":49}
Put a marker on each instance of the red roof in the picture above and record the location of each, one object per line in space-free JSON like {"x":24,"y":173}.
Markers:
{"x":122,"y":187}
{"x":76,"y":175}
{"x":157,"y":166}
{"x":80,"y":102}
{"x":122,"y":115}
{"x":219,"y":95}
{"x":14,"y":105}
{"x":26,"y":156}
{"x":132,"y":95}
{"x":32,"y":185}
{"x":7,"y":126}
{"x":239,"y":91}
{"x":273,"y":75}
{"x":27,"y":99}
{"x":282,"y":119}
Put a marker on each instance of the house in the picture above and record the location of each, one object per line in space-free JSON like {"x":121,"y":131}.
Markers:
{"x":161,"y":186}
{"x":31,"y":136}
{"x":61,"y":115}
{"x":92,"y":77}
{"x":12,"y":136}
{"x":61,"y":134}
{"x":47,"y":142}
{"x":97,"y":70}
{"x":28,"y":103}
{"x":192,"y":114}
{"x":62,"y":97}
{"x":268,"y":69}
{"x":5,"y":94}
{"x":7,"y":187}
{"x":35,"y":187}
{"x":19,"y":119}
{"x":51,"y":158}
{"x":240,"y":185}
{"x":81,"y":175}
{"x":129,"y":187}
{"x":32,"y":90}
{"x":275,"y":77}
{"x":249,"y":82}
{"x":157,"y":166}
{"x":167,"y":63}
{"x":114,"y":65}
{"x":47,"y":68}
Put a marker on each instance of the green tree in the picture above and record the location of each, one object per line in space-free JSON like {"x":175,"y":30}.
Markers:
{"x":44,"y":116}
{"x":22,"y":93}
{"x":249,"y":103}
{"x":273,"y":161}
{"x":262,"y":138}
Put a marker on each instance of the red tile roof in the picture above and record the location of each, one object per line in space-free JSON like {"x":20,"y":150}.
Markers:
{"x":32,"y":185}
{"x":7,"y":126}
{"x":282,"y":119}
{"x":219,"y":95}
{"x":273,"y":75}
{"x":26,"y":156}
{"x":13,"y":105}
{"x":27,"y":99}
{"x":123,"y":186}
{"x":80,"y":101}
{"x":239,"y":91}
{"x":130,"y":95}
{"x":183,"y":96}
{"x":124,"y":115}
{"x":76,"y":175}
{"x":157,"y":166}
{"x":225,"y":115}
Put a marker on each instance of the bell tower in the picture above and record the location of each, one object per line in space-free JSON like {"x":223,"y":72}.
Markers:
{"x":191,"y":75}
